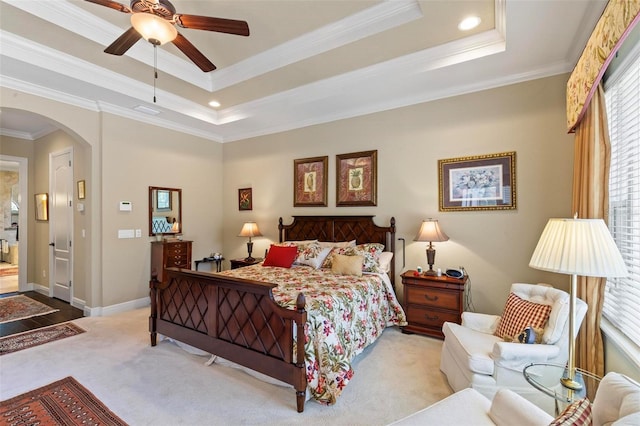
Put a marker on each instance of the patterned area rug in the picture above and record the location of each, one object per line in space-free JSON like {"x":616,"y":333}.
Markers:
{"x":20,"y":307}
{"x":65,"y":402}
{"x":5,"y":272}
{"x":29,"y":339}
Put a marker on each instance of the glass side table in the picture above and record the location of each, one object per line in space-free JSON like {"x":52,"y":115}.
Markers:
{"x":546,"y":378}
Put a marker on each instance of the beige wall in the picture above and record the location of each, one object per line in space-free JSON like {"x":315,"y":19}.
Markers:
{"x":494,"y":247}
{"x":134,"y":157}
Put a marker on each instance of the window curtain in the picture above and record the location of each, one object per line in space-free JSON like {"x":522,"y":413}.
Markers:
{"x":592,"y":154}
{"x":586,"y":115}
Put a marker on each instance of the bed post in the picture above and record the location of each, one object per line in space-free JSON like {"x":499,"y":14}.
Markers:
{"x":301,"y":386}
{"x":153,"y":293}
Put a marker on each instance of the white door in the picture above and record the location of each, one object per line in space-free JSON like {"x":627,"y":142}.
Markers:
{"x":61,"y":224}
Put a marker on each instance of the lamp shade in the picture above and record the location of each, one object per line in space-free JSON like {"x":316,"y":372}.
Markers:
{"x":250,"y":229}
{"x":154,"y":29}
{"x":430,"y":231}
{"x":580,"y":247}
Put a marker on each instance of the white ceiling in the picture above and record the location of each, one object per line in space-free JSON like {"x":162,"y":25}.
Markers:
{"x":305,"y":62}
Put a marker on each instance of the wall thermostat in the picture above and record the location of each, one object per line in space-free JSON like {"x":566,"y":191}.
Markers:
{"x":125,"y":206}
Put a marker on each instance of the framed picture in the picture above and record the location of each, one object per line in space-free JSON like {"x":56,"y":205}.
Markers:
{"x":310,"y":185}
{"x":484,"y":182}
{"x":81,"y":190}
{"x":245,"y":199}
{"x":356,"y":179}
{"x":163,"y":199}
{"x":42,"y":207}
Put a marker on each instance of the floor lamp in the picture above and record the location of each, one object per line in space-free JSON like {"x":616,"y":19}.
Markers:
{"x":577,"y":247}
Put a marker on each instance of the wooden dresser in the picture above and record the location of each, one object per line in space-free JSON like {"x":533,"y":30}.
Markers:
{"x":429,"y":301}
{"x":168,"y":254}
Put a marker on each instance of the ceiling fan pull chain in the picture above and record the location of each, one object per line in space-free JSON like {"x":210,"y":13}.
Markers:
{"x":155,"y":70}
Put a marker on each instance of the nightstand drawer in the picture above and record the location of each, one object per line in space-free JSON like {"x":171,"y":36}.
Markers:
{"x":433,"y":297}
{"x":430,"y":318}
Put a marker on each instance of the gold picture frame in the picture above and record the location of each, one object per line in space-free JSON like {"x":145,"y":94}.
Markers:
{"x":357,"y":179}
{"x":310,"y":182}
{"x":482,"y":182}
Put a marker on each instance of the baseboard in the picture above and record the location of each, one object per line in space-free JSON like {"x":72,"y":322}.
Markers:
{"x":119,"y":308}
{"x":100,"y":310}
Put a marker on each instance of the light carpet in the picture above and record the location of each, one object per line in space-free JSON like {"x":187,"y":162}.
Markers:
{"x":164,"y":385}
{"x":15,"y":308}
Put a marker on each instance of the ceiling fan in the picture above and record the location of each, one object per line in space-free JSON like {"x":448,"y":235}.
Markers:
{"x":155,"y":21}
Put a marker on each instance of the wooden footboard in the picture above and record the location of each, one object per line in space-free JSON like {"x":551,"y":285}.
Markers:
{"x":233,"y":318}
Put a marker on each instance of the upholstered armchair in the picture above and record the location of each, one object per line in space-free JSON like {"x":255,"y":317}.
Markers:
{"x":474,"y":357}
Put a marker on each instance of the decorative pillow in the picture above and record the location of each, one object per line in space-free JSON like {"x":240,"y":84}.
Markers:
{"x":518,"y":314}
{"x":529,"y":335}
{"x":369,"y":251}
{"x":576,"y":414}
{"x":384,"y":262}
{"x":312,"y":255}
{"x":347,"y":265}
{"x":341,"y":244}
{"x":281,"y":256}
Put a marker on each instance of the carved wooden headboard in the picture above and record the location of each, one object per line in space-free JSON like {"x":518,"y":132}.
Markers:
{"x":341,"y":228}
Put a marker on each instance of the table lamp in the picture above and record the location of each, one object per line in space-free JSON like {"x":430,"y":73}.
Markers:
{"x":250,"y":229}
{"x":577,"y":247}
{"x":430,"y":231}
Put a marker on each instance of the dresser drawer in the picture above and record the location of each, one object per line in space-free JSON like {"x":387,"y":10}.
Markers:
{"x":433,"y":297}
{"x":178,"y":261}
{"x":418,"y":315}
{"x":176,"y":249}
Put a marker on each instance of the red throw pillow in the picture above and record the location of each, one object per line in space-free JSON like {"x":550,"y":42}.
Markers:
{"x":281,"y":256}
{"x":519,"y":313}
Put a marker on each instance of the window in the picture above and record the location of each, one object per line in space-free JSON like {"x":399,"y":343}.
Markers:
{"x":622,"y":93}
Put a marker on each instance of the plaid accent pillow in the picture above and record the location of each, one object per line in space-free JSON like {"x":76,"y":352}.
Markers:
{"x":518,"y":314}
{"x":576,"y":414}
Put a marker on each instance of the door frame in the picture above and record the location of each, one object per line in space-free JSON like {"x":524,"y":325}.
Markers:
{"x":68,"y":150}
{"x":23,"y":219}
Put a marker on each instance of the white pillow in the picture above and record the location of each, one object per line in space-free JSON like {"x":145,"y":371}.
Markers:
{"x":314,"y":262}
{"x":384,"y":261}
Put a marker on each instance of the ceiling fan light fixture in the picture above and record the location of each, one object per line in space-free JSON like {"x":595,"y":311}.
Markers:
{"x":154,"y":29}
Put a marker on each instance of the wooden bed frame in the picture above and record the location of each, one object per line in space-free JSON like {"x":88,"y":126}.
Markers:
{"x":238,"y":319}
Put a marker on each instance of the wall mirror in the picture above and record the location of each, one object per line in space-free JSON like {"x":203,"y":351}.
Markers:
{"x":165,"y":210}
{"x":42,"y":206}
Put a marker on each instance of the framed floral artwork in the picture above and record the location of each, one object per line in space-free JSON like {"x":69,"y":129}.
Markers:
{"x":310,"y":185}
{"x":483,"y":182}
{"x":245,"y":199}
{"x":356,"y":179}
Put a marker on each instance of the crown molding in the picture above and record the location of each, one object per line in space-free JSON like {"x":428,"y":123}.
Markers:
{"x":373,"y":20}
{"x":370,"y":21}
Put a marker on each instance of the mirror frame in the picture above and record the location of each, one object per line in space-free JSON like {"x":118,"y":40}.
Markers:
{"x":152,"y":208}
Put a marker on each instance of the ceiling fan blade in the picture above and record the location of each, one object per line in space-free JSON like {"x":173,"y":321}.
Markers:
{"x":229,"y":26}
{"x":194,"y":54}
{"x":124,"y":42}
{"x":111,"y":4}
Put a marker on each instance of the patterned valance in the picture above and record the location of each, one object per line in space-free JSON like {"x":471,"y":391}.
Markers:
{"x":617,"y":20}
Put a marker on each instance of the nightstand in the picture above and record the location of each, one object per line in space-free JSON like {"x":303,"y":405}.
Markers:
{"x":429,"y":301}
{"x":239,"y":263}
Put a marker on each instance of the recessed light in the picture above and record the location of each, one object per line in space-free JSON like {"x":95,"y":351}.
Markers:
{"x":214,"y":104}
{"x":469,"y":23}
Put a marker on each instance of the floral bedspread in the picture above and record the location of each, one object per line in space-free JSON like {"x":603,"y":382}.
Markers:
{"x":344,"y":315}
